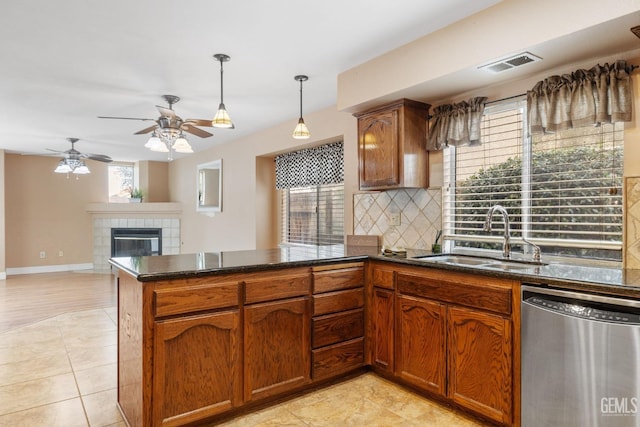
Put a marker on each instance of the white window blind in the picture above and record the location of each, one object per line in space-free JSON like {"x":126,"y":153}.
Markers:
{"x":313,"y":215}
{"x":563,"y":191}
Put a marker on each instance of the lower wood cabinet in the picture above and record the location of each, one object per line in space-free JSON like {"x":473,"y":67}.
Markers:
{"x":421,"y":352}
{"x":382,"y":334}
{"x":480,"y":362}
{"x":277,"y":347}
{"x":450,"y":334}
{"x":190,"y":380}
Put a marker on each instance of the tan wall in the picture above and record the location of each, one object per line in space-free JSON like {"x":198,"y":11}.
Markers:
{"x":247,"y":210}
{"x":154,"y":180}
{"x":45,"y":211}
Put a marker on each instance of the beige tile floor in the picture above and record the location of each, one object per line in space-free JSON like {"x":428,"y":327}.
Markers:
{"x":62,"y":372}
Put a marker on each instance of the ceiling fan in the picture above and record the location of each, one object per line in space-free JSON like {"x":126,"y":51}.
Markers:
{"x":169,"y":121}
{"x":73,"y":154}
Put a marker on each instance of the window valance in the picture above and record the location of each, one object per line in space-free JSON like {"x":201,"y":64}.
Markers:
{"x":601,"y":94}
{"x":310,"y":166}
{"x":456,"y":124}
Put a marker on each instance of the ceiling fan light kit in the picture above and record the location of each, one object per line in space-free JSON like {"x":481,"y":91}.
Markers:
{"x":73,"y":160}
{"x":222,"y":119}
{"x":301,"y":131}
{"x":169,"y":128}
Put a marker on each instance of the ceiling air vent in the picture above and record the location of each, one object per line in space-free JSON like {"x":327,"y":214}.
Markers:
{"x":510,"y":62}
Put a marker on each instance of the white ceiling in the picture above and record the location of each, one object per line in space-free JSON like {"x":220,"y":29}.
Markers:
{"x":65,"y":63}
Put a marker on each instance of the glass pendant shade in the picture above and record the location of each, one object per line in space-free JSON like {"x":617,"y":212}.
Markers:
{"x":81,"y":169}
{"x":63,"y":167}
{"x":222,"y":119}
{"x":181,"y":145}
{"x":301,"y":131}
{"x":153,"y":141}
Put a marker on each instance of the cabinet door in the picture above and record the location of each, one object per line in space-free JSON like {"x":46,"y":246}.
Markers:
{"x":277,"y":337}
{"x":196,"y":369}
{"x":421,"y":340}
{"x":382,"y":347}
{"x":379,"y":149}
{"x":480,"y":362}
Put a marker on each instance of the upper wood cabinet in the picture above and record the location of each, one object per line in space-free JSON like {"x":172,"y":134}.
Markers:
{"x":391,"y":146}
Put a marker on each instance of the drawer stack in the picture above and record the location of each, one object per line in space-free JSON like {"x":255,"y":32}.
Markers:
{"x":337,"y":338}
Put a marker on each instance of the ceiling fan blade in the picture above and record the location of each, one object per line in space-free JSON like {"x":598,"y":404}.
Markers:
{"x":199,"y":122}
{"x":125,"y":118}
{"x":146,"y":130}
{"x":195,"y":131}
{"x":98,"y":157}
{"x":166,"y":112}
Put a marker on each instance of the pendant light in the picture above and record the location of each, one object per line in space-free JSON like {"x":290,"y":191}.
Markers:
{"x":301,"y":131}
{"x":222,"y":119}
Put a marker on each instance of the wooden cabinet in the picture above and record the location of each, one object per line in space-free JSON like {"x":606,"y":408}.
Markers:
{"x":277,"y":333}
{"x":382,"y":334}
{"x":450,"y":334}
{"x":454,"y":338}
{"x":190,"y":380}
{"x":277,"y":347}
{"x":480,"y":362}
{"x":338,"y":320}
{"x":382,"y":319}
{"x":421,"y":353}
{"x":392,"y":146}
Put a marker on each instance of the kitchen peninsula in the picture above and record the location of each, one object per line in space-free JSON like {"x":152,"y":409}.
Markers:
{"x":207,"y":336}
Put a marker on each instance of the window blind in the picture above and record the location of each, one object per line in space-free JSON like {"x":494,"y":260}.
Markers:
{"x":313,"y":215}
{"x":563,"y":191}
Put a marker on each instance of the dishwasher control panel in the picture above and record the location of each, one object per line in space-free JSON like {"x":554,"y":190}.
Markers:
{"x":583,"y":310}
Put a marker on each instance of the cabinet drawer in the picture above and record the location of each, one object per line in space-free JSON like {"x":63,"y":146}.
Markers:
{"x":333,"y":280}
{"x":476,"y":294}
{"x":338,"y":358}
{"x":338,"y":327}
{"x":185,"y":299}
{"x":332,"y":302}
{"x":383,"y":278}
{"x":276,"y":287}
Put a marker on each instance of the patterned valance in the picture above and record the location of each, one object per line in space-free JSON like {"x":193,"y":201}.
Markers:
{"x":456,"y":124}
{"x":311,"y":166}
{"x":601,"y":94}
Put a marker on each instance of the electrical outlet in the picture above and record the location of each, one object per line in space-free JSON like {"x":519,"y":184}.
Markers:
{"x":60,"y":253}
{"x":394,"y":218}
{"x":43,"y":254}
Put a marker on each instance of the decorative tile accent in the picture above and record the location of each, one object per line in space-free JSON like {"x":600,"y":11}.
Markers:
{"x":632,"y":222}
{"x":420,"y":216}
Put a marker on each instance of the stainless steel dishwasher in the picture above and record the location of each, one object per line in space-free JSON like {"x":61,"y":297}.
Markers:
{"x":580,"y":359}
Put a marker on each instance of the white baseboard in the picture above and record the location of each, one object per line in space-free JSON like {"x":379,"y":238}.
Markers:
{"x":47,"y":269}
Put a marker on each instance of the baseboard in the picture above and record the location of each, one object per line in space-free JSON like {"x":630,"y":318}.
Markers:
{"x":48,"y":269}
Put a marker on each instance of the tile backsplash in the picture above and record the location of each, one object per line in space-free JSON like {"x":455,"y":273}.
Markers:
{"x":632,"y":223}
{"x":419,"y":210}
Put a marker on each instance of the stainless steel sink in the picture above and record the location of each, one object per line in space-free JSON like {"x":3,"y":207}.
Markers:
{"x":456,"y":259}
{"x":478,"y":261}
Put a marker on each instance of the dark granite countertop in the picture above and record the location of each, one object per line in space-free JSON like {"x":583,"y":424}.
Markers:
{"x":616,"y":281}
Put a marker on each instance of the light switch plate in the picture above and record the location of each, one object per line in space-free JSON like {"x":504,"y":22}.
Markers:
{"x":394,"y":218}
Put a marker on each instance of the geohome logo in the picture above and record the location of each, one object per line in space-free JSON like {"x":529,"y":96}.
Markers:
{"x":619,"y":406}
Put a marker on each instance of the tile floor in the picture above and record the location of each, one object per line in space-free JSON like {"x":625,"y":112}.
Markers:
{"x":62,"y":372}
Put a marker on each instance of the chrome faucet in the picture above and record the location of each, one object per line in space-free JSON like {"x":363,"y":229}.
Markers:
{"x":506,"y":244}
